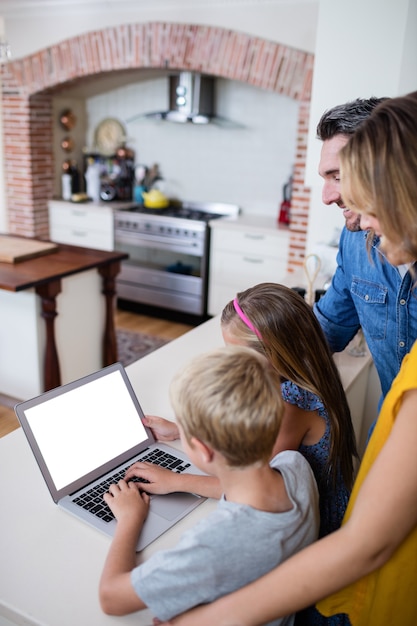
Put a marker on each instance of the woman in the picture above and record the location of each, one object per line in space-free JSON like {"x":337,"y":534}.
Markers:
{"x":367,"y":568}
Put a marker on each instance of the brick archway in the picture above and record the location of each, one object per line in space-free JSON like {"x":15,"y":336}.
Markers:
{"x":29,"y":85}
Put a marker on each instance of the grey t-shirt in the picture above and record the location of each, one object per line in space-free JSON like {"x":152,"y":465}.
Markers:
{"x":231,"y":547}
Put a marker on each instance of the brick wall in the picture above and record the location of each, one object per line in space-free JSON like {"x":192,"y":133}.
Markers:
{"x":29,"y":85}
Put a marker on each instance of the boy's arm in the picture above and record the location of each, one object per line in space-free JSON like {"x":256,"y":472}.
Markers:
{"x":130,"y":507}
{"x":162,"y":480}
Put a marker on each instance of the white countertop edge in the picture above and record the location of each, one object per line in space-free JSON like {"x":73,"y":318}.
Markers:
{"x":257,"y":223}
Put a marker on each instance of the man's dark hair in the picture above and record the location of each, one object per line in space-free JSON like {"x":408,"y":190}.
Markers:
{"x":344,"y":119}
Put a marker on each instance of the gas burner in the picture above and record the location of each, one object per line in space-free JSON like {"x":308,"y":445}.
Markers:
{"x":182,"y":212}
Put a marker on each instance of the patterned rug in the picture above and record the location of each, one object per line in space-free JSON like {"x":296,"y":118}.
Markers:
{"x":133,"y":346}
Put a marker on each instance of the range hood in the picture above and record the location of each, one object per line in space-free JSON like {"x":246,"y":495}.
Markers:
{"x":191,"y":100}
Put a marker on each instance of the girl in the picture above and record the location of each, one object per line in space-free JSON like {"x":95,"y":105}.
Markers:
{"x":277,"y":322}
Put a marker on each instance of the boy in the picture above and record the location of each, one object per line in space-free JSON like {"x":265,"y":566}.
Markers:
{"x":228,"y":408}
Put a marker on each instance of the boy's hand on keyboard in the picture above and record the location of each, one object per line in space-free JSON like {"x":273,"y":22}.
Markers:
{"x":127,"y":503}
{"x":159,"y":480}
{"x":163,"y":430}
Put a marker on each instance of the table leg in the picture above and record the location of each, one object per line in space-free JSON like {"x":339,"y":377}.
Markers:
{"x":48,"y":294}
{"x":108,"y":273}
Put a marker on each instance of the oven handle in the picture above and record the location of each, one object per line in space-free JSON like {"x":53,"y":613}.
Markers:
{"x":195,"y":247}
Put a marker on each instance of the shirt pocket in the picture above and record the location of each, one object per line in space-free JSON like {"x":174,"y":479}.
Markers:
{"x":372,"y":307}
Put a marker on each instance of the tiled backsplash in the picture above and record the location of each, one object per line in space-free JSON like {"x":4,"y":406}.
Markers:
{"x":247,"y":166}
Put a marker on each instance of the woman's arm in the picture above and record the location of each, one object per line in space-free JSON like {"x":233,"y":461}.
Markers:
{"x":384,"y":514}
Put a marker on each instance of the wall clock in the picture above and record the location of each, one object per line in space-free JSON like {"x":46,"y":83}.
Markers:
{"x":109,"y":135}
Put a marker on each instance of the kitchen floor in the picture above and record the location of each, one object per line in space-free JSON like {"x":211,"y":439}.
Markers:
{"x":124,"y":320}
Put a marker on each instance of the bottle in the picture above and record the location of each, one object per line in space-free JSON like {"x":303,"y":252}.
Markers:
{"x":66,"y":181}
{"x":92,"y":179}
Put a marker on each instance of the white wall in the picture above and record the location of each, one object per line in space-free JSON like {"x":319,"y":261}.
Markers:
{"x":364,"y":48}
{"x":246,"y":166}
{"x":35,"y":24}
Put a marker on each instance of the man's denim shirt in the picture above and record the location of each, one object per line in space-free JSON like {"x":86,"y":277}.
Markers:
{"x":368,"y":291}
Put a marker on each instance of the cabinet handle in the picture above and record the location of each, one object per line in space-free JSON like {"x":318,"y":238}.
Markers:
{"x":79,"y":213}
{"x":248,"y":260}
{"x":251,"y":236}
{"x":79,"y":233}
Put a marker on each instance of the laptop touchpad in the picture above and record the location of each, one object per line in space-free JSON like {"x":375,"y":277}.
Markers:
{"x":171,"y":505}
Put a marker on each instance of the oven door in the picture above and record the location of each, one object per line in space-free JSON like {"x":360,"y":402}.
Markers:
{"x":163,"y":272}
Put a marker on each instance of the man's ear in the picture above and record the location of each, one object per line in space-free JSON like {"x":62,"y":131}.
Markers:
{"x":201,"y":448}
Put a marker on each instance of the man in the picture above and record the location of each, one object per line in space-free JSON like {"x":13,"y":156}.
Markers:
{"x":366,"y":290}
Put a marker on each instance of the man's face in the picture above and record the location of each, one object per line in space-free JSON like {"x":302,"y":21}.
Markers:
{"x":329,"y":170}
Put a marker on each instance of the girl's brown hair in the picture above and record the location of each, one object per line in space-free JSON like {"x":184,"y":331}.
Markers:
{"x":291,"y":338}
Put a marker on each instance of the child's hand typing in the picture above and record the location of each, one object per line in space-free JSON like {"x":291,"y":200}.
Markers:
{"x":159,"y":479}
{"x":127,"y":502}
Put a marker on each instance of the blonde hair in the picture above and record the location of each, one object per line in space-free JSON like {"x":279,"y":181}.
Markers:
{"x":291,"y":338}
{"x":378,"y":170}
{"x":229,"y":398}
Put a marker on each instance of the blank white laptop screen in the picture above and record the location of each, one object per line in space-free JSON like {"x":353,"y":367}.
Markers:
{"x":85,"y":428}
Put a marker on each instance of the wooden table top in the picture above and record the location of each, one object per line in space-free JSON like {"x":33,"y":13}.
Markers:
{"x":64,"y":261}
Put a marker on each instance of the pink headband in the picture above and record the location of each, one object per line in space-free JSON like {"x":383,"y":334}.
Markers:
{"x":245,"y":320}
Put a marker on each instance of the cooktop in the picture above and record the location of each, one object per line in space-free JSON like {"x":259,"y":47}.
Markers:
{"x":202,"y":212}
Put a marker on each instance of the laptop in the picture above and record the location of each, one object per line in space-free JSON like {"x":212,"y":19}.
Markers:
{"x":85,"y":434}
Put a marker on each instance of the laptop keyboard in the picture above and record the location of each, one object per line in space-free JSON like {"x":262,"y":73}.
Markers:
{"x":92,"y":500}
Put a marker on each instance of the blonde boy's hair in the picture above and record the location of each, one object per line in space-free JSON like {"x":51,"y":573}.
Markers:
{"x":230,"y":398}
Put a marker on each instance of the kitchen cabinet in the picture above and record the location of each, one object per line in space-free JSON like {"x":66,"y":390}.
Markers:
{"x":244,"y":252}
{"x":89,"y":225}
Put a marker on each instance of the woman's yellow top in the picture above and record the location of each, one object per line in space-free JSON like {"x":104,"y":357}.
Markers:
{"x":388,"y":596}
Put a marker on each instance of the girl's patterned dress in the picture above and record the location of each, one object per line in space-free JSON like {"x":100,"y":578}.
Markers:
{"x":333,"y":499}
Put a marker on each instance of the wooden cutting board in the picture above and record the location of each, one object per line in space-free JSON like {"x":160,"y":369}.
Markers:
{"x":17,"y":249}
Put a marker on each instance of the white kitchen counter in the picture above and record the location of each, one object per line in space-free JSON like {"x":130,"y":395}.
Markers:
{"x":115,"y":205}
{"x":264,"y":224}
{"x":50,"y":561}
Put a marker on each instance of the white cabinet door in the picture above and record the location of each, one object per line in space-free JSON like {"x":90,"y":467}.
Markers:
{"x":81,"y":225}
{"x":240,"y":259}
{"x":249,"y":242}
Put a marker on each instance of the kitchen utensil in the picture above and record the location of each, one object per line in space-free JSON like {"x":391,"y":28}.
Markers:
{"x":312,"y":266}
{"x":155,"y":199}
{"x":140,"y":174}
{"x":67,"y":144}
{"x":67,"y":119}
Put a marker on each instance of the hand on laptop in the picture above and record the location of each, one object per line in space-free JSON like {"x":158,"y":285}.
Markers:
{"x":159,"y":479}
{"x":127,"y":502}
{"x":162,"y":429}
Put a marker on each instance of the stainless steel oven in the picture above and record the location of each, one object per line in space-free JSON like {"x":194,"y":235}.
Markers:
{"x":168,"y":254}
